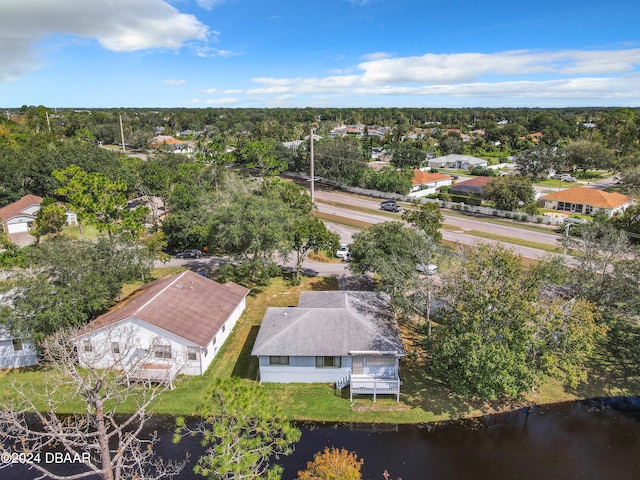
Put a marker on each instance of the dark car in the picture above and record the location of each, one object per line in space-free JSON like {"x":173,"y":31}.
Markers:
{"x":191,"y":253}
{"x":390,"y":206}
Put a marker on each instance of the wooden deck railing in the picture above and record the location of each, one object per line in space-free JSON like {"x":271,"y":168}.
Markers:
{"x":374,"y":386}
{"x":154,"y":373}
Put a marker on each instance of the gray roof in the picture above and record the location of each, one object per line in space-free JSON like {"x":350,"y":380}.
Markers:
{"x":330,"y":324}
{"x":456,"y":157}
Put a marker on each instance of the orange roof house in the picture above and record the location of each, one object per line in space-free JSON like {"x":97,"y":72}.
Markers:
{"x":586,"y":201}
{"x":426,"y":183}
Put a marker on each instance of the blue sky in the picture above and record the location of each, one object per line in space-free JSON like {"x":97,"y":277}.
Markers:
{"x":331,"y":53}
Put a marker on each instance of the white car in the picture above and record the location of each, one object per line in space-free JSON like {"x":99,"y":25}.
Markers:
{"x":343,"y":252}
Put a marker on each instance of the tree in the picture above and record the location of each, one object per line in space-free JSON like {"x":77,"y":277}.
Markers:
{"x":482,"y":344}
{"x":261,"y":155}
{"x":586,"y":155}
{"x":631,"y":179}
{"x":405,"y":155}
{"x":99,"y":201}
{"x":340,"y":160}
{"x":333,"y":464}
{"x":509,"y":192}
{"x":620,"y":131}
{"x":69,"y":282}
{"x":427,"y":218}
{"x":310,"y":233}
{"x":536,"y":162}
{"x":565,"y":338}
{"x":394,"y":252}
{"x":451,"y":143}
{"x":629,"y":220}
{"x":243,"y":431}
{"x":251,"y":227}
{"x":216,"y":157}
{"x":50,"y":219}
{"x":112,"y":445}
{"x":596,"y":252}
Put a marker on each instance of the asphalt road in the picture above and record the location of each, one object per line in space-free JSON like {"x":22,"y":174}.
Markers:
{"x":465,"y":224}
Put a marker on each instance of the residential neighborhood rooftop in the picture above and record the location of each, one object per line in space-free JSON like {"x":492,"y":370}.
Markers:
{"x":17,"y":207}
{"x":187,"y":304}
{"x":589,"y":196}
{"x":330,"y":323}
{"x":420,"y":177}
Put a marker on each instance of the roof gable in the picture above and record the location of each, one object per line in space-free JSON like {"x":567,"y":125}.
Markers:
{"x":187,"y":305}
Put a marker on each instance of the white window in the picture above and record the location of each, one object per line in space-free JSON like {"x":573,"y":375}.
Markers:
{"x":86,"y":345}
{"x":192,"y":353}
{"x":162,"y":351}
{"x":115,"y":348}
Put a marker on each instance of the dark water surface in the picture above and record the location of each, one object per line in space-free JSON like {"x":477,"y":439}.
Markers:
{"x":596,"y":439}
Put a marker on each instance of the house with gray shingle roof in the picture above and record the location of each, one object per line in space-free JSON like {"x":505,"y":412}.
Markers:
{"x":454,"y":160}
{"x":342,"y":337}
{"x":176,"y":324}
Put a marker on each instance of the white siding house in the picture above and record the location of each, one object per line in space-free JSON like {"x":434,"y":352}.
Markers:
{"x":18,"y":216}
{"x":173,"y":325}
{"x":346,"y":338}
{"x":16,"y":352}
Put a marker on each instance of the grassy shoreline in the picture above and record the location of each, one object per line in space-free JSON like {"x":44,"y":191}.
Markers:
{"x":422,"y":399}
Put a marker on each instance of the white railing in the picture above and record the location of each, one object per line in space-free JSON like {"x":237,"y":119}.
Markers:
{"x":375,"y":386}
{"x":343,"y":382}
{"x":155,"y":373}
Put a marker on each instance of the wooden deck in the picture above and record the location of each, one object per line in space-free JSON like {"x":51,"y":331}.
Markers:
{"x":365,"y":385}
{"x":154,"y":373}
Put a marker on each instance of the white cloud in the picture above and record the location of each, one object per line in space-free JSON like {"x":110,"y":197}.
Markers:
{"x":233,"y":91}
{"x":222,"y":101}
{"x":209,"y":4}
{"x":174,"y":82}
{"x":210,"y":90}
{"x":210,"y":52}
{"x":118,"y":25}
{"x":376,"y":56}
{"x":570,"y":74}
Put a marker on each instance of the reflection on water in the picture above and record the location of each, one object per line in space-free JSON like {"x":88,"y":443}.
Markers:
{"x":597,"y":439}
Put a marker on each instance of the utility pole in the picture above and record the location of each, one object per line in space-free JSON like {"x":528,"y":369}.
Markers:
{"x":313,"y":195}
{"x":122,"y":135}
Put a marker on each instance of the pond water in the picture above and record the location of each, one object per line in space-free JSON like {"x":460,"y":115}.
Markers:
{"x":596,"y":439}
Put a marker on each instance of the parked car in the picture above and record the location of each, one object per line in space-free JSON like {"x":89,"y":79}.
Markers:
{"x":190,"y":253}
{"x":429,"y":269}
{"x":565,"y":177}
{"x":390,"y":206}
{"x":343,"y":252}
